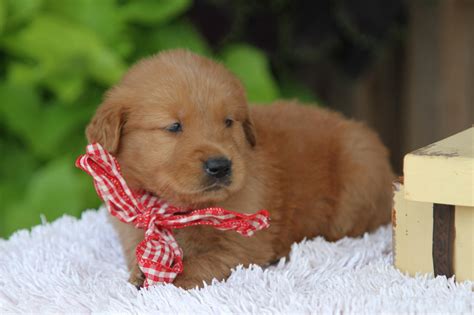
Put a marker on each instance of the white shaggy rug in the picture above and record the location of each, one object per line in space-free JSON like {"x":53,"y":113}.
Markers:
{"x":75,"y":266}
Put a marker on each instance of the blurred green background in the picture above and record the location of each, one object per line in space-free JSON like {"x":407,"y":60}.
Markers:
{"x":57,"y":57}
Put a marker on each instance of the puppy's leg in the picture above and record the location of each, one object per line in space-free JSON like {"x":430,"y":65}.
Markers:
{"x":204,"y":268}
{"x":129,"y":238}
{"x":365,"y":201}
{"x":216,"y":259}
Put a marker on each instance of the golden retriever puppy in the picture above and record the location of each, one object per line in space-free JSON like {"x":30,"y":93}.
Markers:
{"x":180,"y":127}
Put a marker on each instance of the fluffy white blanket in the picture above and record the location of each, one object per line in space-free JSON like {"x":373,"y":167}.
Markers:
{"x":75,"y":265}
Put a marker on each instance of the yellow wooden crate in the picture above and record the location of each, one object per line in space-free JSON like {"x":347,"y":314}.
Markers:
{"x":433,"y":216}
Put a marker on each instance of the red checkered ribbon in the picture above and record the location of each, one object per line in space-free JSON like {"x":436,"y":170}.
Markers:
{"x":158,"y":255}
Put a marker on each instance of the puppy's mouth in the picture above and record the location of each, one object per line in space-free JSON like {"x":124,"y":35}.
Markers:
{"x":217,"y":185}
{"x":207,"y":192}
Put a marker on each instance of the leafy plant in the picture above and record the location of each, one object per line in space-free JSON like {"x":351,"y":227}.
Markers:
{"x":57,"y":59}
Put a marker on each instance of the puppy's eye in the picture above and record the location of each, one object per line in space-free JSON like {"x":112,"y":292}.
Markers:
{"x":176,"y":127}
{"x":229,"y":122}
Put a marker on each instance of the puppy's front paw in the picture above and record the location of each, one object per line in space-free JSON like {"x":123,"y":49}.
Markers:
{"x":187,"y":283}
{"x":136,"y":277}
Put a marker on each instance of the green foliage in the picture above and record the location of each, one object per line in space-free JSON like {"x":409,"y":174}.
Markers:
{"x":178,"y":34}
{"x":57,"y":58}
{"x":2,"y":16}
{"x":252,"y":68}
{"x":153,"y":11}
{"x":54,"y":189}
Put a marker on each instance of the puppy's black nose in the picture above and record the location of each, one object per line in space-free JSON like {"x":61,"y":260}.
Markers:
{"x":218,"y":167}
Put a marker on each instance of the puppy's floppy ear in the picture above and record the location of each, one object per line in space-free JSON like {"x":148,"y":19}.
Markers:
{"x":249,"y":131}
{"x":106,"y":126}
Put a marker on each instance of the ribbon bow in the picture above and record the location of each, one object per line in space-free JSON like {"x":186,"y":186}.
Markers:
{"x":158,"y":255}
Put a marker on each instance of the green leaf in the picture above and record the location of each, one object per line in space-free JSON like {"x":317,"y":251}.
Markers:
{"x":101,"y":17}
{"x":54,"y":190}
{"x":3,"y":16}
{"x":21,"y":11}
{"x":59,"y":79}
{"x":20,"y":109}
{"x":47,"y":131}
{"x":153,"y":11}
{"x":16,"y":168}
{"x":177,"y":35}
{"x":58,"y":125}
{"x":67,"y":87}
{"x":17,"y":164}
{"x":252,"y":68}
{"x":22,"y":74}
{"x":61,"y":48}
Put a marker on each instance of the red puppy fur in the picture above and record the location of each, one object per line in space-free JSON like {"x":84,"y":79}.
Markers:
{"x":314,"y":171}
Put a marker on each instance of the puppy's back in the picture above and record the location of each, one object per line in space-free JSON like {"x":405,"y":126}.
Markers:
{"x":334,"y":173}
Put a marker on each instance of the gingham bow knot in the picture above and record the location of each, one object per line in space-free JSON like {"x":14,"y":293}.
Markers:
{"x":158,"y":255}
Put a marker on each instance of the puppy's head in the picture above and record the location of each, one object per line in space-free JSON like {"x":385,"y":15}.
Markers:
{"x":180,"y":127}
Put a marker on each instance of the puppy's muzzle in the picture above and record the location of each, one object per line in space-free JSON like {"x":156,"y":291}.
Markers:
{"x":218,"y":168}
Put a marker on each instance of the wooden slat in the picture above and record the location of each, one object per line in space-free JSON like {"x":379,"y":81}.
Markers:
{"x":443,"y":240}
